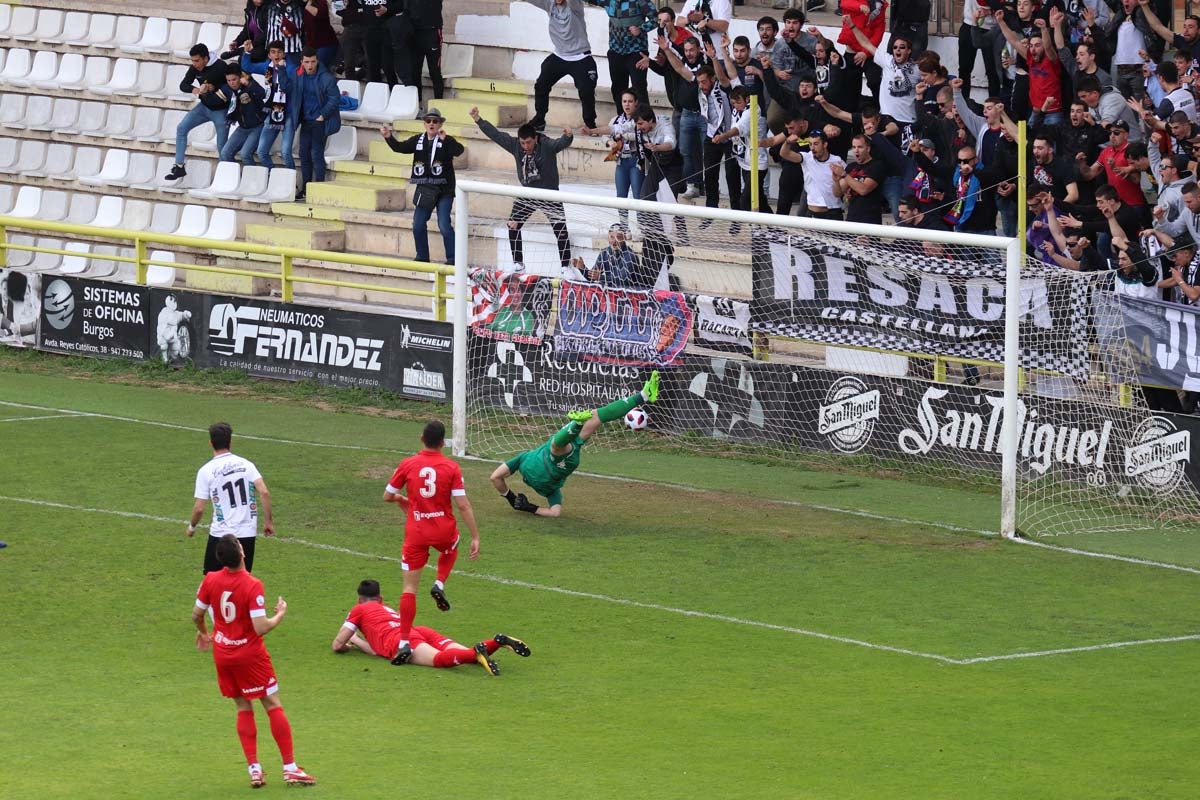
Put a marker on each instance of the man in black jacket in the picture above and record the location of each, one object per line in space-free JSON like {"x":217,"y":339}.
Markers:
{"x":247,"y":108}
{"x":207,"y":83}
{"x":425,"y":16}
{"x":433,"y":176}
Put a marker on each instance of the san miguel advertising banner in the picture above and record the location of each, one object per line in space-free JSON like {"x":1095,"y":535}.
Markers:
{"x":821,"y":410}
{"x":1163,"y":341}
{"x":807,"y":289}
{"x":586,"y":321}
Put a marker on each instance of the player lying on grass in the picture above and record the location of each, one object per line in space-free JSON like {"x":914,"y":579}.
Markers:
{"x":546,"y":468}
{"x":373,"y":628}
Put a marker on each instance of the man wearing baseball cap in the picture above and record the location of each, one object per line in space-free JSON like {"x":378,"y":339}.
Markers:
{"x":433,"y":155}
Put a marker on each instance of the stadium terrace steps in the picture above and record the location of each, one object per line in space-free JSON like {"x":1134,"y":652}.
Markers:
{"x":353,"y":191}
{"x":303,"y":233}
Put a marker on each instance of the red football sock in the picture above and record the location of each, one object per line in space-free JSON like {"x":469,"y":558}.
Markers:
{"x":281,"y":729}
{"x":454,"y":656}
{"x":248,"y":733}
{"x":491,"y":645}
{"x":408,"y":612}
{"x":446,"y":563}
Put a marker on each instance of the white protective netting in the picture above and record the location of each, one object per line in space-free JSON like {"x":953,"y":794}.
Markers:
{"x":849,"y":351}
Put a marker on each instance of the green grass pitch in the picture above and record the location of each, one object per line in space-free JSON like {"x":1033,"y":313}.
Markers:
{"x":715,"y":629}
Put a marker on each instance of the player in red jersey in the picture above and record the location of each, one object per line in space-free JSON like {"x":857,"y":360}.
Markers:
{"x":425,"y":486}
{"x":244,"y":670}
{"x":374,"y":629}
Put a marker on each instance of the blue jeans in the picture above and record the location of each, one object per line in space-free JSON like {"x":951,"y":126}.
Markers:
{"x":1008,"y":214}
{"x":1039,"y":118}
{"x":327,"y":56}
{"x":893,"y":190}
{"x":628,"y":177}
{"x":242,"y":141}
{"x":199,"y":115}
{"x":692,"y":127}
{"x":312,"y":152}
{"x":421,"y":228}
{"x":267,"y":138}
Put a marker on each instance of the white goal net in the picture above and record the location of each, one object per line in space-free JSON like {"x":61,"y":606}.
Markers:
{"x":835,"y":346}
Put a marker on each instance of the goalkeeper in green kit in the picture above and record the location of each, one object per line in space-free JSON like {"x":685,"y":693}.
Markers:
{"x":546,"y":468}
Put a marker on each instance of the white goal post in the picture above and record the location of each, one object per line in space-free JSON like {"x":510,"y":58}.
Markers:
{"x":995,"y":434}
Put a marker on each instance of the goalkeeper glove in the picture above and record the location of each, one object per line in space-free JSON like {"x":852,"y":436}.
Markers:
{"x":523,"y":504}
{"x":511,"y":498}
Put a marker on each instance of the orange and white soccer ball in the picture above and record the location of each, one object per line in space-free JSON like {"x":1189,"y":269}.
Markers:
{"x":636,"y":419}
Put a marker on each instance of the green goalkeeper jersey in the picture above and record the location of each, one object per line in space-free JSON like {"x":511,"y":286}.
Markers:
{"x":544,"y":472}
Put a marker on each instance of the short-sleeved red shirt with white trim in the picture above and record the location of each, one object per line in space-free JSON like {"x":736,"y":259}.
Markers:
{"x":235,"y":599}
{"x":429,"y":479}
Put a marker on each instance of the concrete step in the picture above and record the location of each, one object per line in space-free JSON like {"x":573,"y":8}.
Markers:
{"x":502,"y":98}
{"x":296,"y":232}
{"x":306,"y":210}
{"x":493,"y":85}
{"x":459,"y":111}
{"x":356,"y":192}
{"x":373,"y":171}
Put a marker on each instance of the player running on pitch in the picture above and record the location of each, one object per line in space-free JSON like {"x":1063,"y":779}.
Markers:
{"x":546,"y":468}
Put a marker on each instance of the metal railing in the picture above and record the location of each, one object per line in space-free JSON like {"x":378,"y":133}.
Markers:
{"x":285,"y":274}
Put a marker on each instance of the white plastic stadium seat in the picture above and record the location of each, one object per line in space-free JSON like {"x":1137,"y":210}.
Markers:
{"x":31,"y":155}
{"x":200,"y":172}
{"x":141,"y":169}
{"x":165,"y":218}
{"x":12,"y":110}
{"x":101,"y":29}
{"x":66,"y":112}
{"x":252,"y":182}
{"x":102,"y":267}
{"x":16,"y":65}
{"x":116,"y":166}
{"x":95,"y":73}
{"x":90,"y":120}
{"x":123,"y":79}
{"x":119,"y":122}
{"x":146,"y":120}
{"x":16,"y":259}
{"x":350,"y":88}
{"x":281,"y":187}
{"x":49,"y":25}
{"x":81,"y":209}
{"x":43,"y":68}
{"x":402,"y":104}
{"x":128,"y":31}
{"x":88,"y":161}
{"x":182,"y":34}
{"x":36,"y":203}
{"x":372,"y":105}
{"x":170,"y":87}
{"x":38,"y":109}
{"x":157,"y":275}
{"x":224,"y":181}
{"x":204,"y":138}
{"x":222,"y":225}
{"x":109,"y":212}
{"x":75,"y":27}
{"x":5,"y":20}
{"x":137,"y":214}
{"x":28,"y":202}
{"x":162,"y":165}
{"x":154,"y":35}
{"x":8,"y":154}
{"x":22,"y":23}
{"x":166,"y":127}
{"x":43,"y":262}
{"x":70,"y":72}
{"x":208,"y":33}
{"x":342,"y":145}
{"x":7,"y":197}
{"x":60,"y":157}
{"x":75,"y":264}
{"x":150,"y":77}
{"x":458,"y":61}
{"x":193,"y":221}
